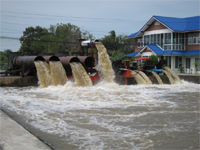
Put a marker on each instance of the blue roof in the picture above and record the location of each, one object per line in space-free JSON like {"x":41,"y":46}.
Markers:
{"x":192,"y":52}
{"x":132,"y":54}
{"x":180,"y":24}
{"x":155,"y":48}
{"x":175,"y":24}
{"x":159,"y":51}
{"x":176,"y":52}
{"x":132,"y":35}
{"x":193,"y":23}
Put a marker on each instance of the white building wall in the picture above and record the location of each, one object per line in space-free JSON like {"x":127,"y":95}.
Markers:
{"x":191,"y":70}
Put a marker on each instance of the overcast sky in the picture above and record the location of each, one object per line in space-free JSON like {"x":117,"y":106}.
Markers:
{"x":96,"y":16}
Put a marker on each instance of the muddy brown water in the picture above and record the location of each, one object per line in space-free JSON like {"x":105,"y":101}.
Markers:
{"x":108,"y":116}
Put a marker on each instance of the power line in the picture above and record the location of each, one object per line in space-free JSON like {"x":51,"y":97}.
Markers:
{"x":14,"y":38}
{"x":81,"y":18}
{"x":16,"y":23}
{"x":77,"y":18}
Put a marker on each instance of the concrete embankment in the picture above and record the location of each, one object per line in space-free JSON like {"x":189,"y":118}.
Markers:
{"x":194,"y":78}
{"x":14,"y":137}
{"x":18,"y":81}
{"x":187,"y":77}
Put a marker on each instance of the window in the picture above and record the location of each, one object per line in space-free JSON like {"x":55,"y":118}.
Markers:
{"x":167,"y":38}
{"x":167,"y":47}
{"x":178,"y":61}
{"x":193,"y":38}
{"x":168,"y":41}
{"x":196,"y":38}
{"x":156,"y":23}
{"x":139,"y":42}
{"x":158,"y":39}
{"x":152,"y":39}
{"x":187,"y":63}
{"x":178,"y":41}
{"x":146,"y":39}
{"x":175,"y":38}
{"x":190,"y":41}
{"x":168,"y":58}
{"x":197,"y":62}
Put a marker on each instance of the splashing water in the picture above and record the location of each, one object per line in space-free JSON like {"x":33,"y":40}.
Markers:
{"x":43,"y":72}
{"x":105,"y":65}
{"x":146,"y":78}
{"x":173,"y":74}
{"x":58,"y":73}
{"x":157,"y":77}
{"x":169,"y":76}
{"x":138,"y":78}
{"x":80,"y":75}
{"x":108,"y":116}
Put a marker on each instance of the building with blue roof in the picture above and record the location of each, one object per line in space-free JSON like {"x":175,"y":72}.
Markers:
{"x":175,"y":39}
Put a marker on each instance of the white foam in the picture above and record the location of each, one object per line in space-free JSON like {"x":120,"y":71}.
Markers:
{"x":87,"y":116}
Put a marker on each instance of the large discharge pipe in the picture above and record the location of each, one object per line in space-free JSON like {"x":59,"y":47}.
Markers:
{"x":27,"y":61}
{"x":51,"y":58}
{"x":66,"y":63}
{"x":87,"y":61}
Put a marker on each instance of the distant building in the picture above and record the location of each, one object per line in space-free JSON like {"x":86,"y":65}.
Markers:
{"x":175,"y":39}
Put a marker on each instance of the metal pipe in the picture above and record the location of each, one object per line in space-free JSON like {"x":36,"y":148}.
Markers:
{"x":68,"y":59}
{"x":27,"y":61}
{"x":87,"y":61}
{"x":51,"y":58}
{"x":66,"y":63}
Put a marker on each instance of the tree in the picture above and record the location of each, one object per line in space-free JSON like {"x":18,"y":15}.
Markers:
{"x":87,"y":35}
{"x":4,"y":55}
{"x":31,"y":41}
{"x":67,"y":35}
{"x":3,"y":58}
{"x":154,"y":58}
{"x":110,"y":41}
{"x":118,"y":45}
{"x":58,"y":38}
{"x":118,"y":55}
{"x":6,"y":52}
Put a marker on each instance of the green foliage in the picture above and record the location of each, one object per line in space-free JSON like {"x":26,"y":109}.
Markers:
{"x":117,"y":45}
{"x":31,"y":41}
{"x":118,"y":55}
{"x":58,"y":38}
{"x":4,"y":59}
{"x":6,"y":52}
{"x":154,"y":58}
{"x":181,"y":68}
{"x":63,"y":38}
{"x":196,"y":64}
{"x":87,"y":35}
{"x":4,"y":55}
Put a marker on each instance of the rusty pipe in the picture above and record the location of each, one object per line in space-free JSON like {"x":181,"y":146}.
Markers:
{"x":87,"y":61}
{"x":66,"y":63}
{"x":27,"y":61}
{"x":68,"y":59}
{"x":51,"y":58}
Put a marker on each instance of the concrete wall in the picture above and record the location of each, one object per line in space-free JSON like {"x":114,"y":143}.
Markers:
{"x":18,"y":81}
{"x":164,"y":78}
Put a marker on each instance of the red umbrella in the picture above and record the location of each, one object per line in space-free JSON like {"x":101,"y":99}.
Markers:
{"x":142,"y":58}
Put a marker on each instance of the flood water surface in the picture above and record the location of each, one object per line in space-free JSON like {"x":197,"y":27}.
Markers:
{"x":108,"y":116}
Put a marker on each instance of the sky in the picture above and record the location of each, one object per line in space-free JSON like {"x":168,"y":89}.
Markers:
{"x":98,"y":17}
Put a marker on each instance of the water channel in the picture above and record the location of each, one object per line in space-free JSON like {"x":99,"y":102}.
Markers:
{"x":108,"y":116}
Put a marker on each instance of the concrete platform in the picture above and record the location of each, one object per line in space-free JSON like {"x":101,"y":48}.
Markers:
{"x":18,"y":81}
{"x":15,"y":137}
